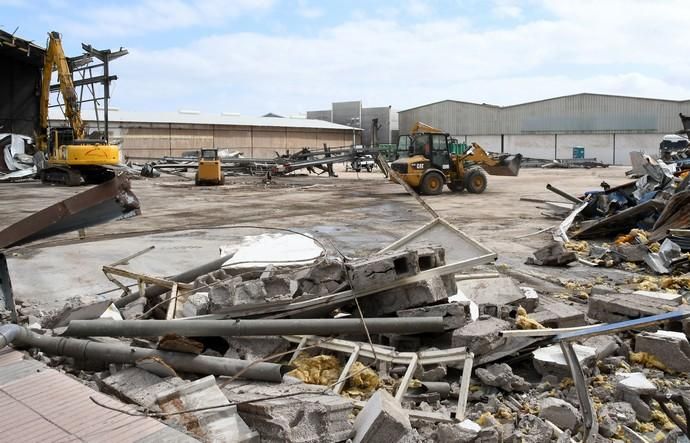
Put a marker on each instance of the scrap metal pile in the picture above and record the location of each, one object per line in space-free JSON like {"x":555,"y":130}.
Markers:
{"x":637,"y":225}
{"x":283,"y":338}
{"x":234,"y":163}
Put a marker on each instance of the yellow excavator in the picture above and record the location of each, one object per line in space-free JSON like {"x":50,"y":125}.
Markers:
{"x":430,"y":163}
{"x":64,"y":154}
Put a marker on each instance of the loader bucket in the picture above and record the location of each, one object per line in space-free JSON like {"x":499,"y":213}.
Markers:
{"x":508,"y":165}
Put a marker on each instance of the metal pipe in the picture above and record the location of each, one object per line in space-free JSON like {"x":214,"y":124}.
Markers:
{"x":121,"y":353}
{"x":564,"y":194}
{"x":183,"y":277}
{"x":232,"y":328}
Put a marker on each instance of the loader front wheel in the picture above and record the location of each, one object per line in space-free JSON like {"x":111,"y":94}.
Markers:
{"x":475,"y":181}
{"x":432,"y":183}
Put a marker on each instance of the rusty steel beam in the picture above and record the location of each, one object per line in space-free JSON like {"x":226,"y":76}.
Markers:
{"x":108,"y":201}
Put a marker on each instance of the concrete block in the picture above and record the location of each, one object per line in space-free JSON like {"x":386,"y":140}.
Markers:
{"x":669,"y":297}
{"x":135,"y":385}
{"x":196,"y":304}
{"x":422,"y":293}
{"x":495,"y":292}
{"x":550,"y":359}
{"x":455,"y":315}
{"x":222,"y":295}
{"x":560,"y":412}
{"x":381,"y":419}
{"x":615,"y":307}
{"x":554,"y":254}
{"x":501,"y":376}
{"x":279,"y":288}
{"x":307,"y":417}
{"x":555,"y":314}
{"x":222,"y":424}
{"x":481,"y":336}
{"x":671,"y":348}
{"x":252,"y":291}
{"x":382,"y":269}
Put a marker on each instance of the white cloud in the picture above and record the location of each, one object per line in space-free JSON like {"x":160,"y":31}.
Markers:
{"x":159,"y":15}
{"x":506,"y":9}
{"x":588,"y":47}
{"x":418,"y":8}
{"x":308,"y":11}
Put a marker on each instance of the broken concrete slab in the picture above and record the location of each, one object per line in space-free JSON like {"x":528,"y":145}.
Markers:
{"x":314,"y":415}
{"x":135,"y":385}
{"x":196,"y":304}
{"x":455,"y":314}
{"x":463,"y":432}
{"x":614,"y":307}
{"x":669,"y":347}
{"x":382,"y":269}
{"x":210,"y":425}
{"x":134,"y":309}
{"x":381,"y":419}
{"x":630,"y":387}
{"x":550,"y":359}
{"x":605,"y":345}
{"x":555,"y":314}
{"x":495,"y":292}
{"x":157,"y":366}
{"x":614,"y":414}
{"x":255,"y":348}
{"x":501,"y":376}
{"x":422,"y":293}
{"x":481,"y":336}
{"x":672,"y":298}
{"x":560,"y":412}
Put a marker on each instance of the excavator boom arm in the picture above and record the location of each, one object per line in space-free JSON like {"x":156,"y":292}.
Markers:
{"x":56,"y":60}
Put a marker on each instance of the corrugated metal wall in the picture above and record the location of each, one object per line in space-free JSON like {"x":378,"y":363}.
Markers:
{"x":582,"y":113}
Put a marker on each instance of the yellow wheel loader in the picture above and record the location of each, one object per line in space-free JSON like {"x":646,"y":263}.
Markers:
{"x":430,"y":163}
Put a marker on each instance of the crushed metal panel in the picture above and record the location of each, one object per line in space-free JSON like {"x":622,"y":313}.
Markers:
{"x":112,"y":200}
{"x":458,"y":246}
{"x":623,"y":221}
{"x":676,"y":215}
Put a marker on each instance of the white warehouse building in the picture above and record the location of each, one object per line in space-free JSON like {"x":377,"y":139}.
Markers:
{"x":608,"y":127}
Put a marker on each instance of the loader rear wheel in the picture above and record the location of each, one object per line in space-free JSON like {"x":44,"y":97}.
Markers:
{"x":456,"y":186}
{"x":475,"y":181}
{"x":432,"y":183}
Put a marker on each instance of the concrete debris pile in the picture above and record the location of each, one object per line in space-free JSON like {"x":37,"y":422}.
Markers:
{"x":400,"y":346}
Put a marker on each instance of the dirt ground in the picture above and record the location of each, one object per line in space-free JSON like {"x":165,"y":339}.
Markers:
{"x":358,"y":213}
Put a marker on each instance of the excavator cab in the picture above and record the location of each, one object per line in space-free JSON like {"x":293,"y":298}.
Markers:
{"x":209,"y":171}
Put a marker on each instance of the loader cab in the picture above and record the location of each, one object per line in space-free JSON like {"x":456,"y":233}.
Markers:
{"x":432,"y":146}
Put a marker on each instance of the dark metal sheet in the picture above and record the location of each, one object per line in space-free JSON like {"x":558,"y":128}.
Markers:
{"x":108,"y":201}
{"x":623,"y":221}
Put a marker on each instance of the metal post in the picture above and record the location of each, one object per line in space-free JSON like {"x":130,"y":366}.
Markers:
{"x":405,"y":382}
{"x":106,"y":93}
{"x":591,"y":426}
{"x":7,"y":301}
{"x":464,"y":387}
{"x":229,"y":328}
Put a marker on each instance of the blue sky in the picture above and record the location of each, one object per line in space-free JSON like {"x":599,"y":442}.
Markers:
{"x":289,"y":56}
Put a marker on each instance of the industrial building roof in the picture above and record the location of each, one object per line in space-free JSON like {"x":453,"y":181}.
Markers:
{"x":205,"y":119}
{"x":547,"y":99}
